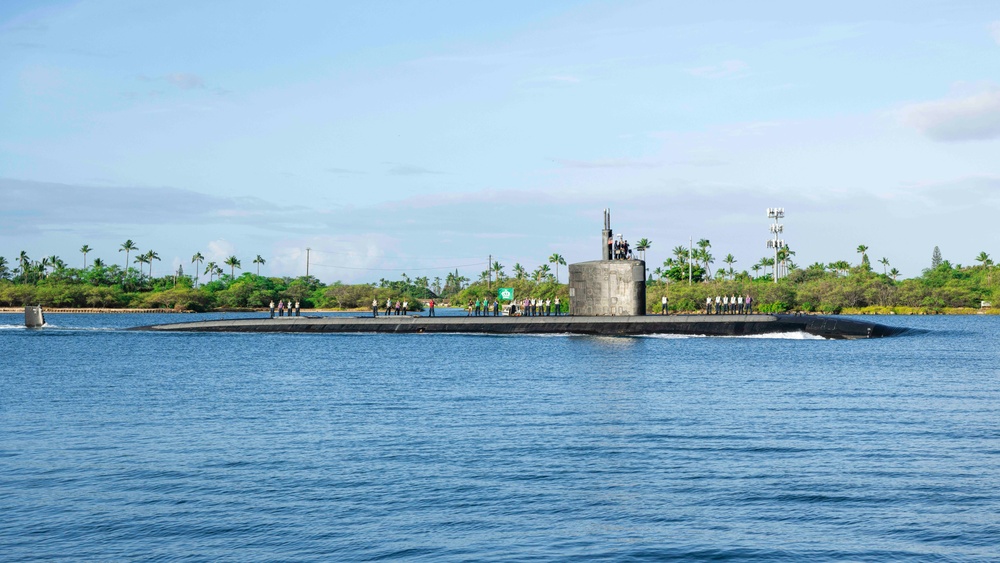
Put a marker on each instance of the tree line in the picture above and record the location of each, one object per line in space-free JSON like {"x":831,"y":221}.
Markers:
{"x":686,"y":278}
{"x":833,"y":287}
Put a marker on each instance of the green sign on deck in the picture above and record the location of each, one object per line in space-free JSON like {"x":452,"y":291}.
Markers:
{"x":505,"y":293}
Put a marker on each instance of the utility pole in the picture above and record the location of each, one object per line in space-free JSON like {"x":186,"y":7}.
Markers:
{"x":690,"y":258}
{"x":307,"y":261}
{"x":489,"y":273}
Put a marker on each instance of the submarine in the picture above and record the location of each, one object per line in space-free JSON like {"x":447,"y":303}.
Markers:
{"x":833,"y":328}
{"x":607,"y":298}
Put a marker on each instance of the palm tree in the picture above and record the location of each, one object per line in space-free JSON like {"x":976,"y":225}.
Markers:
{"x":885,"y":264}
{"x":863,"y":251}
{"x":498,"y":270}
{"x":150,"y":256}
{"x":85,"y":249}
{"x":197,"y":259}
{"x":658,"y":272}
{"x":769,"y":262}
{"x":641,"y":246}
{"x":557,"y":259}
{"x":519,"y":271}
{"x":24,"y":260}
{"x":706,"y":258}
{"x":784,"y":259}
{"x":756,"y":269}
{"x":3,"y":268}
{"x":840,"y":266}
{"x":729,"y":260}
{"x":141,"y":259}
{"x":234,"y":263}
{"x":681,"y":253}
{"x":128,"y":246}
{"x":987,"y":264}
{"x":259,"y":260}
{"x":893,"y":273}
{"x":542,"y":272}
{"x":210,"y":270}
{"x":763,"y":265}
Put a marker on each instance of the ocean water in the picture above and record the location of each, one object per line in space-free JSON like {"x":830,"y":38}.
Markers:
{"x":119,"y":445}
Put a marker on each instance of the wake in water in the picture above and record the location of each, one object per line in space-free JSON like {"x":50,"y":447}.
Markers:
{"x":53,"y":328}
{"x":798,"y":335}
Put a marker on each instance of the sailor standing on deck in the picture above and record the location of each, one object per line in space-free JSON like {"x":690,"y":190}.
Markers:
{"x":663,"y":305}
{"x":388,"y":306}
{"x":374,"y":307}
{"x":718,"y":304}
{"x":708,"y":305}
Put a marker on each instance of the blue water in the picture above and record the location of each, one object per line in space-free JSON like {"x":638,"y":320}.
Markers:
{"x":232,"y":447}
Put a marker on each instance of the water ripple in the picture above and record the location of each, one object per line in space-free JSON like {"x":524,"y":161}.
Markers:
{"x":123,"y":445}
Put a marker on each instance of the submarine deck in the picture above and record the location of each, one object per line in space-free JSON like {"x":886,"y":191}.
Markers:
{"x":707,"y":325}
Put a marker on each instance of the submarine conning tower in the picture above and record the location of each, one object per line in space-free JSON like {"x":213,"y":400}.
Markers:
{"x":607,"y":287}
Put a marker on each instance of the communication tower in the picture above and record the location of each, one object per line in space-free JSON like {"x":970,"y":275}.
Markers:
{"x":776,"y":243}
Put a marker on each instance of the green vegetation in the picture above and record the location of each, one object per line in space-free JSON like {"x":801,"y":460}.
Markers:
{"x":51,"y":283}
{"x":832,"y":288}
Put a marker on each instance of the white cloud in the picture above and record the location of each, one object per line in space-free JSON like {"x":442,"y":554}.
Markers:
{"x":347,"y":257}
{"x":969,"y":118}
{"x":219,"y":250}
{"x":725,"y":69}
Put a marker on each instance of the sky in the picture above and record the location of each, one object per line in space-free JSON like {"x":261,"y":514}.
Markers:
{"x":421,"y":137}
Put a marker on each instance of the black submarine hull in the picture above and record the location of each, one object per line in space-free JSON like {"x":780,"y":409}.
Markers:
{"x":700,"y":325}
